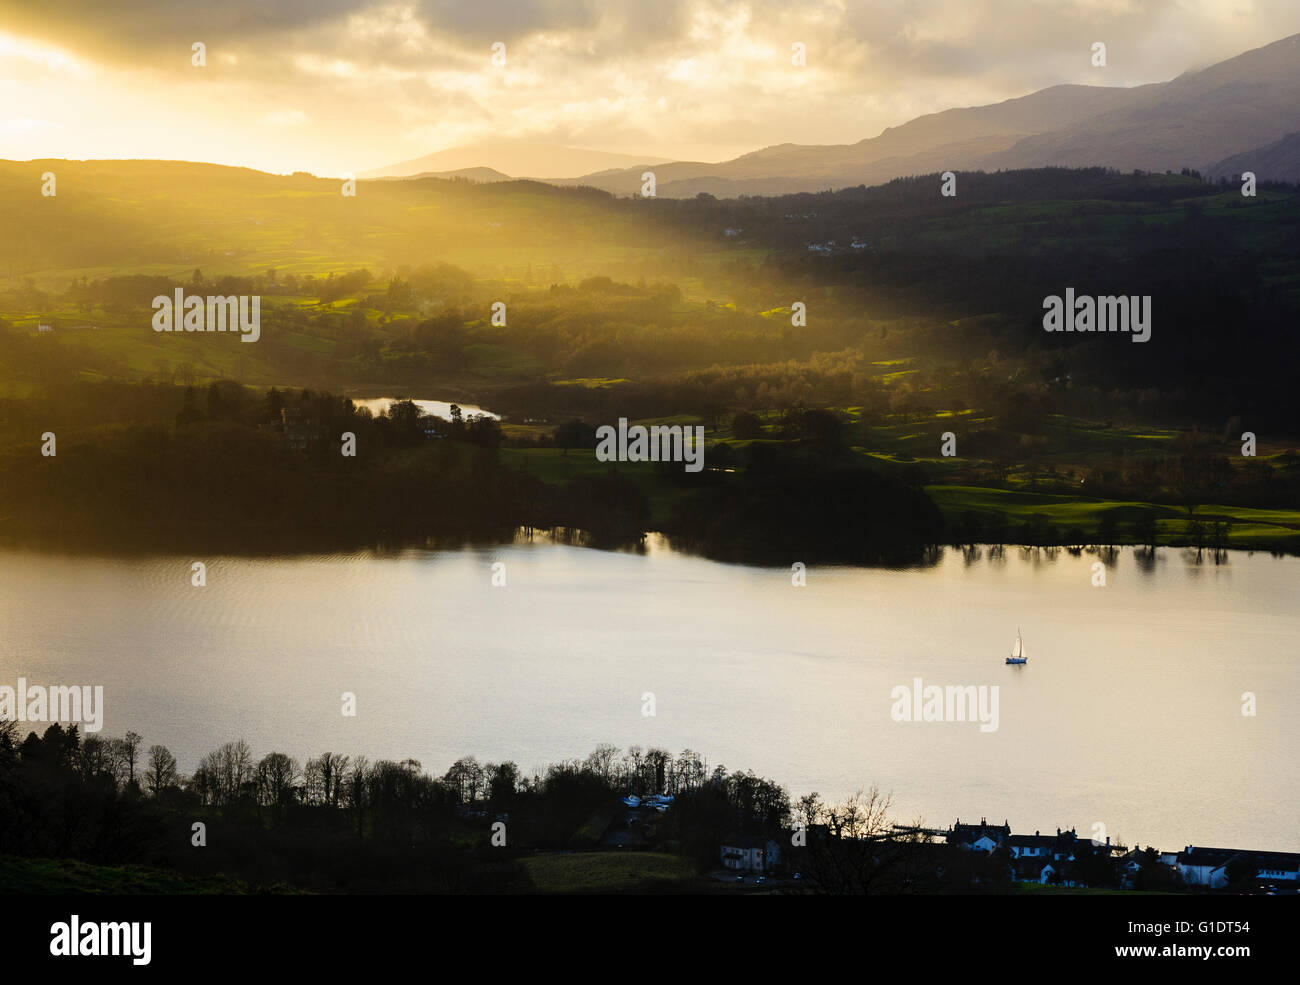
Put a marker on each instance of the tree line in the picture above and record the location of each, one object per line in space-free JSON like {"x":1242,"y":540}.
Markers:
{"x":335,"y":822}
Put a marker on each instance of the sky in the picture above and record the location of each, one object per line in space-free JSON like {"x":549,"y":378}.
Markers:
{"x":344,"y":86}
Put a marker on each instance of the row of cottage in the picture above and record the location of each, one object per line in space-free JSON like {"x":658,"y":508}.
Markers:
{"x":1044,"y":858}
{"x":1040,"y":858}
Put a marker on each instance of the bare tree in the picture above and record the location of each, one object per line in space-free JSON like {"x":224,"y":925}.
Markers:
{"x":276,"y":777}
{"x":688,"y":772}
{"x":356,"y":791}
{"x":223,"y":774}
{"x":161,"y":771}
{"x":809,"y":809}
{"x":602,"y":762}
{"x":128,"y":754}
{"x":95,"y":757}
{"x":324,"y":779}
{"x":862,"y":854}
{"x":634,"y":764}
{"x":466,"y":778}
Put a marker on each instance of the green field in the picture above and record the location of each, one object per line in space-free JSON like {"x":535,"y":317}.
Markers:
{"x":1251,"y":529}
{"x":556,"y":466}
{"x":611,"y":872}
{"x":44,"y":876}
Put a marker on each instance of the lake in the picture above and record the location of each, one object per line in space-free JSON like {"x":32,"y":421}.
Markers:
{"x":1128,"y":714}
{"x":435,"y":408}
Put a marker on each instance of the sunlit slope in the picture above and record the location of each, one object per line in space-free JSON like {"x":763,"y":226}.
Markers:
{"x":169,"y":217}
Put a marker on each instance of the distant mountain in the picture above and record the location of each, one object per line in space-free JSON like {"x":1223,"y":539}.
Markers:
{"x":1199,"y":120}
{"x":906,"y":149}
{"x":469,"y":174}
{"x":1194,"y":121}
{"x":516,"y":157}
{"x":1279,"y":161}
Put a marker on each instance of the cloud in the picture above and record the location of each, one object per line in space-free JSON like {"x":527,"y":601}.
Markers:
{"x":675,"y":78}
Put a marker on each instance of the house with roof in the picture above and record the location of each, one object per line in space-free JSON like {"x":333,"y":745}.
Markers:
{"x":1039,"y":870}
{"x":1061,"y":846}
{"x":750,"y":853}
{"x":1034,"y":846}
{"x":1204,"y":866}
{"x":301,"y":431}
{"x":1128,"y":873}
{"x":1209,"y":867}
{"x":982,"y":837}
{"x":1284,"y":866}
{"x":1128,"y":867}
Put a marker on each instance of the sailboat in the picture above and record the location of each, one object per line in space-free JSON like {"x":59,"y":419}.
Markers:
{"x":1018,"y":654}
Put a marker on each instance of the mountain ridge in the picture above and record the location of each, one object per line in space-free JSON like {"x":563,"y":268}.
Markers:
{"x":1198,"y":119}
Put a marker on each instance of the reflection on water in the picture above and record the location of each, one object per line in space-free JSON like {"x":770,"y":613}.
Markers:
{"x":1128,"y":712}
{"x":436,"y":408}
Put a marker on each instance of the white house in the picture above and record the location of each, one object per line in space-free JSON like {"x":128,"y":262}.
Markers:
{"x":1283,"y":866}
{"x":982,"y":837}
{"x":1039,"y":871}
{"x":1209,"y":866}
{"x":1203,"y":866}
{"x":1031,"y":846}
{"x":747,"y":853}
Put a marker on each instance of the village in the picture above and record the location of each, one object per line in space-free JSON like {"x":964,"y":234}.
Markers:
{"x":1062,"y":859}
{"x":973,"y":857}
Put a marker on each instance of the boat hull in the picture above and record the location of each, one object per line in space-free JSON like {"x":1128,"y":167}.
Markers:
{"x":1017,"y":660}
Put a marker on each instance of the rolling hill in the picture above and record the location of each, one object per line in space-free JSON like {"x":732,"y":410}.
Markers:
{"x":1278,"y":161}
{"x":514,"y":157}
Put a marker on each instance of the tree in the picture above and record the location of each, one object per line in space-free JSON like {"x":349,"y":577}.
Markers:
{"x":1146,"y":530}
{"x":130,"y":751}
{"x":465,"y":779}
{"x":161,"y":771}
{"x":276,"y":777}
{"x":746,"y":426}
{"x":356,"y":791}
{"x":601,"y":763}
{"x":94,"y":757}
{"x":503,"y":780}
{"x":688,"y":771}
{"x":575,"y":434}
{"x":809,"y":808}
{"x":324,"y":780}
{"x":1106,"y":529}
{"x":222,"y":775}
{"x":862,"y":854}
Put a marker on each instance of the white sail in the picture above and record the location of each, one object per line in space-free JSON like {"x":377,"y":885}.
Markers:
{"x":1020,"y":647}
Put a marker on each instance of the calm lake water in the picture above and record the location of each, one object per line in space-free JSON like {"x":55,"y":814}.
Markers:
{"x":437,"y":408}
{"x":1128,"y":713}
